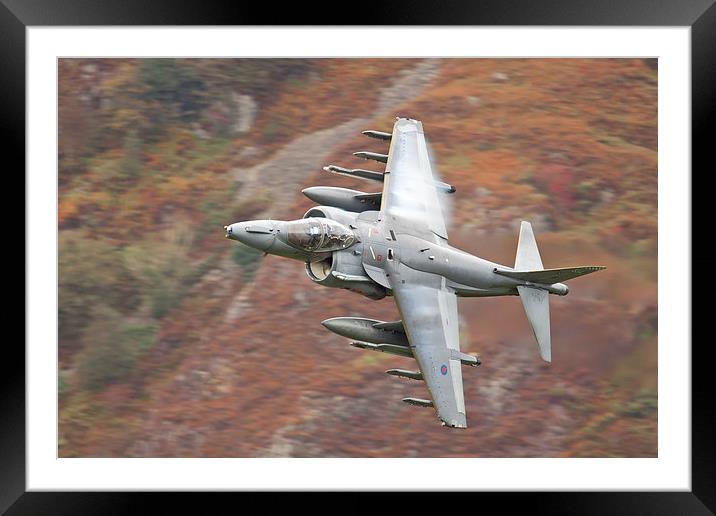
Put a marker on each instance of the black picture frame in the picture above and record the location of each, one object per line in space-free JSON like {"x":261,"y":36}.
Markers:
{"x":700,"y":15}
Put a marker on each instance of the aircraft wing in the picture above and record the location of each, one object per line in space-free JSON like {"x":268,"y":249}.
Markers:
{"x":410,"y":192}
{"x":431,"y":323}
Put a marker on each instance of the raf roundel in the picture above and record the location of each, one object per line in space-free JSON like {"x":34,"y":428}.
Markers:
{"x":443,"y":369}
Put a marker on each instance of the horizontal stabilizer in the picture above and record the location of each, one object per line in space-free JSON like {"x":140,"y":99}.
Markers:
{"x":550,"y":276}
{"x":418,"y":402}
{"x":356,"y":172}
{"x":383,"y":158}
{"x":378,"y":135}
{"x":413,"y":375}
{"x":391,"y":349}
{"x":536,"y":304}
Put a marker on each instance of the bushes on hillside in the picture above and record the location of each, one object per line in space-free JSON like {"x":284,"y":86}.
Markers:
{"x":163,"y":268}
{"x":111,"y":346}
{"x":91,"y":271}
{"x":248,"y":259}
{"x":103,"y":287}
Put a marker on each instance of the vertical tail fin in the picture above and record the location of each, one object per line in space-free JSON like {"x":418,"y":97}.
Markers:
{"x":528,"y":258}
{"x":535,"y":301}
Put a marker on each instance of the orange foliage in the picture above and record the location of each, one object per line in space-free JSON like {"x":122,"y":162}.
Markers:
{"x":245,"y":368}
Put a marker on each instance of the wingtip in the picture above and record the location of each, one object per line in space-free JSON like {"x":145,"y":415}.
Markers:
{"x":546,"y":355}
{"x":460,"y":422}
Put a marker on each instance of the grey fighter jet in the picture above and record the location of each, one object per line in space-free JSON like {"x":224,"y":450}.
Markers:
{"x":395,"y":243}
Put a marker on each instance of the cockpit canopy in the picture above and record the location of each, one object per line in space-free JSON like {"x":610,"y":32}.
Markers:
{"x":317,"y":235}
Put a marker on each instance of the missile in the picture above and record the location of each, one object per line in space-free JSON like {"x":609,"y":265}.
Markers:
{"x":378,"y":135}
{"x":402,"y":373}
{"x":418,"y":402}
{"x":378,"y":176}
{"x":465,"y":359}
{"x":365,"y":330}
{"x":355,"y":172}
{"x":391,"y":349}
{"x":383,"y":158}
{"x":344,"y":198}
{"x":445,"y":187}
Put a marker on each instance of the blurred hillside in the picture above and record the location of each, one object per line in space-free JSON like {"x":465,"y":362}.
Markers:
{"x":176,"y":342}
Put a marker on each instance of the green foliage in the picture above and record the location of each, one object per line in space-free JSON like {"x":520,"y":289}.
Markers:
{"x":215,"y":213}
{"x":117,"y":175}
{"x":216,"y":207}
{"x":255,"y":77}
{"x":103,"y":101}
{"x":91,"y":270}
{"x":248,"y":259}
{"x":173,"y":89}
{"x":111,"y":347}
{"x":270,"y":130}
{"x":644,"y":404}
{"x":164,"y":296}
{"x":130,"y":165}
{"x":62,"y":385}
{"x":141,"y":336}
{"x":164,"y":268}
{"x":585,"y":189}
{"x":218,"y":214}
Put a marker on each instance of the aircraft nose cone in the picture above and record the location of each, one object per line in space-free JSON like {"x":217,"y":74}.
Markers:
{"x":233,"y":230}
{"x":258,"y":234}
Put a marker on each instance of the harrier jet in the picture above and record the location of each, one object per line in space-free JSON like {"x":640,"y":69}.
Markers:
{"x":395,"y":243}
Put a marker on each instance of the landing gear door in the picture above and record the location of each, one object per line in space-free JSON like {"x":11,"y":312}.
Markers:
{"x":375,"y":255}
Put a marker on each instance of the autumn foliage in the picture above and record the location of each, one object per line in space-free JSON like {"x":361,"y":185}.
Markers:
{"x":174,"y":341}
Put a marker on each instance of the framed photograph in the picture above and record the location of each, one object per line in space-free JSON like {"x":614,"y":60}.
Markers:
{"x":196,"y":178}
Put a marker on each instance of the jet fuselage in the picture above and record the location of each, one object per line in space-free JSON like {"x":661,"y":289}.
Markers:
{"x":372,"y":254}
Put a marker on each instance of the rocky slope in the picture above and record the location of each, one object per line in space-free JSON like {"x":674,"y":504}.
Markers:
{"x":240,"y":365}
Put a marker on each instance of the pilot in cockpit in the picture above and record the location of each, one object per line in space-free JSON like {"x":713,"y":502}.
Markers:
{"x":318,"y":235}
